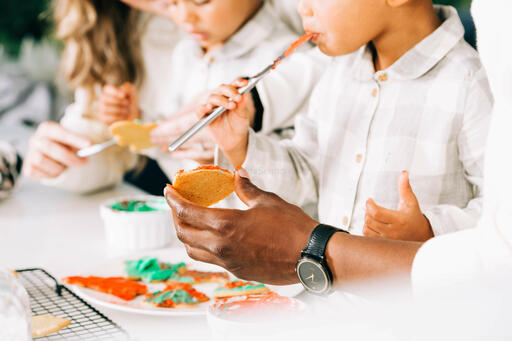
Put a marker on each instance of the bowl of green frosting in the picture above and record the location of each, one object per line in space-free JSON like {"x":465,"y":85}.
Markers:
{"x":137,"y":223}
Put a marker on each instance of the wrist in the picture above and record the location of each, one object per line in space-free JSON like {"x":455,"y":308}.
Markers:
{"x":237,"y":154}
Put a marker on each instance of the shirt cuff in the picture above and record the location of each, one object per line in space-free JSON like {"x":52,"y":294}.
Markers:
{"x":436,"y":223}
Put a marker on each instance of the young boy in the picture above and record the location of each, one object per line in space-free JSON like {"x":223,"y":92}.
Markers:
{"x":405,"y":92}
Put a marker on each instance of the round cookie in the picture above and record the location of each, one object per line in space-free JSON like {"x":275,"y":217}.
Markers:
{"x":132,"y":134}
{"x":205,"y":185}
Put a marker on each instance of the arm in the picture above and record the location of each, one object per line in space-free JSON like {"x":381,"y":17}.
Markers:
{"x":286,"y":167}
{"x":248,"y":254}
{"x":471,"y":143}
{"x":101,"y":170}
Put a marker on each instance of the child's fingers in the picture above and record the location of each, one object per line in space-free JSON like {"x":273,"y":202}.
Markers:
{"x":379,"y":213}
{"x":109,"y":100}
{"x":229,"y":91}
{"x":221,"y":101}
{"x":369,"y":232}
{"x":58,"y":152}
{"x":49,"y":166}
{"x":240,"y":82}
{"x":375,"y":225}
{"x":113,"y":91}
{"x":113,"y":111}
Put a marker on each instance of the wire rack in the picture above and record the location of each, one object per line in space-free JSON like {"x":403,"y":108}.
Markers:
{"x":47,"y":296}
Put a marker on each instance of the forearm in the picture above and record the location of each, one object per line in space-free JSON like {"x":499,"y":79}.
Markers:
{"x":279,"y":167}
{"x":354,"y":258}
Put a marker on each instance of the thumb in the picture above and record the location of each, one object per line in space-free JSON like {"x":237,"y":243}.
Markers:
{"x":407,"y":196}
{"x":245,"y":189}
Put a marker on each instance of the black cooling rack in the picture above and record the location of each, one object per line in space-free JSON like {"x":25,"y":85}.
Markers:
{"x":47,"y":296}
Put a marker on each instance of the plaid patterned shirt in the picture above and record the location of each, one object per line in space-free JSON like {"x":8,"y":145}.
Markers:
{"x":428,"y":113}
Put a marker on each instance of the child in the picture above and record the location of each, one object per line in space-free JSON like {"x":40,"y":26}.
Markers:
{"x":253,"y":37}
{"x":414,"y":98}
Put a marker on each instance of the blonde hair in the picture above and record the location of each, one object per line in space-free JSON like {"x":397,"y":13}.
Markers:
{"x":101,"y":43}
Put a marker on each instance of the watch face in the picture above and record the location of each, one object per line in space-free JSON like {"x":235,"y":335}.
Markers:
{"x":312,"y":276}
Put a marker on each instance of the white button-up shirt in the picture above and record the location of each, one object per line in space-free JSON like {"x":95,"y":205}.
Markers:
{"x":428,"y":113}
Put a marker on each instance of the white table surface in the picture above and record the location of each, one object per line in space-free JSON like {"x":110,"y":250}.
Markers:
{"x":60,"y":232}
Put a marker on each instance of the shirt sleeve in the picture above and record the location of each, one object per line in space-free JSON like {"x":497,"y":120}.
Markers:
{"x":471,"y":142}
{"x":288,"y":168}
{"x":102,"y":170}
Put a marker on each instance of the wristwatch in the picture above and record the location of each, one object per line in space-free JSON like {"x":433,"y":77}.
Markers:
{"x":312,"y":269}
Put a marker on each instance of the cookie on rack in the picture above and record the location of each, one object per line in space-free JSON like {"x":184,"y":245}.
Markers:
{"x":43,"y":325}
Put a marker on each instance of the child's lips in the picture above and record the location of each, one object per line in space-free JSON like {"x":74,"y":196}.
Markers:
{"x":199,"y":35}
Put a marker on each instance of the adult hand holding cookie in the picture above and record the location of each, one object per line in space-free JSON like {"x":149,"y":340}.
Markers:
{"x":52,"y":150}
{"x":262,"y":243}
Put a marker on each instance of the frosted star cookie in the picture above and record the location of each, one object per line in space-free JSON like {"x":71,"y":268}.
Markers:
{"x":240,"y":288}
{"x":204,"y":185}
{"x":131,"y":134}
{"x":118,"y":286}
{"x":151,"y":270}
{"x":176,"y":295}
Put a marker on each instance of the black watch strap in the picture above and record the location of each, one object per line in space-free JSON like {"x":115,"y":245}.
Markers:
{"x":318,"y":240}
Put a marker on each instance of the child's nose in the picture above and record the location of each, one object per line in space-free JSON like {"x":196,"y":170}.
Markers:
{"x":304,"y":8}
{"x":186,"y":12}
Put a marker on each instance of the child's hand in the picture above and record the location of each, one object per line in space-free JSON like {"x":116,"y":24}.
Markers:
{"x":408,"y":223}
{"x":231,"y":129}
{"x":118,"y":104}
{"x":52,"y":150}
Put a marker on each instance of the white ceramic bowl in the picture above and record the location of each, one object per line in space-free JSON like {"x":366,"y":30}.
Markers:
{"x":137,"y":231}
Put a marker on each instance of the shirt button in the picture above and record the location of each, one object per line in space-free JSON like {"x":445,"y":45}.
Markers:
{"x":359,"y":158}
{"x":374,"y":93}
{"x":211,"y":60}
{"x":345,"y":221}
{"x":383,"y":77}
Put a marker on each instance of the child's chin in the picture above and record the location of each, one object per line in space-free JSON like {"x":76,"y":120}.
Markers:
{"x":334,"y":51}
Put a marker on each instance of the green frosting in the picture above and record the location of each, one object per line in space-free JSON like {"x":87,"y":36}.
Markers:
{"x":140,"y":205}
{"x":177,"y":296}
{"x":150,"y":269}
{"x":242,"y":288}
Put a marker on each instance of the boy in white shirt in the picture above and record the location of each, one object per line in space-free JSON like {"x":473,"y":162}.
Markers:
{"x":414,"y":98}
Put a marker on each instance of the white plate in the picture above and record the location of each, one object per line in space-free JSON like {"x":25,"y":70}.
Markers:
{"x":115,"y":267}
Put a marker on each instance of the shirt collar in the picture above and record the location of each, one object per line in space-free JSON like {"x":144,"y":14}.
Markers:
{"x":422,"y":57}
{"x":250,"y":35}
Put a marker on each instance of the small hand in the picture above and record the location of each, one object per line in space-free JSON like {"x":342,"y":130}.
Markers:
{"x":231,"y":129}
{"x":262,"y":243}
{"x":118,"y":104}
{"x":407,"y":223}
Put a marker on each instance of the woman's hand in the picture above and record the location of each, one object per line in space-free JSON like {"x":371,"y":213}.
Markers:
{"x":118,"y":104}
{"x":52,"y":149}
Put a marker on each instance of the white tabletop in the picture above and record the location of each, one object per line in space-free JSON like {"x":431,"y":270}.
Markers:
{"x":59,"y":232}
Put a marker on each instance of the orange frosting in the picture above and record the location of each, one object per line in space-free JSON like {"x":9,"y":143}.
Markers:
{"x":118,"y":286}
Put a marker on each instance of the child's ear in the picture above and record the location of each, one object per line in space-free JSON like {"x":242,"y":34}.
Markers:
{"x":397,"y":3}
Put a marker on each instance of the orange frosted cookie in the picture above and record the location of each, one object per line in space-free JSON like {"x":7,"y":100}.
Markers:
{"x":123,"y":288}
{"x":131,"y":134}
{"x":204,"y":185}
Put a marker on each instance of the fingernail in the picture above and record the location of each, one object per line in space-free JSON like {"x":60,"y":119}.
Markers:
{"x":238,"y":97}
{"x":242,"y":172}
{"x":232,"y":105}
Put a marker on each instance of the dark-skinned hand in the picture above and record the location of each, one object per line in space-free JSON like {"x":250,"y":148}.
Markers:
{"x":262,"y":243}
